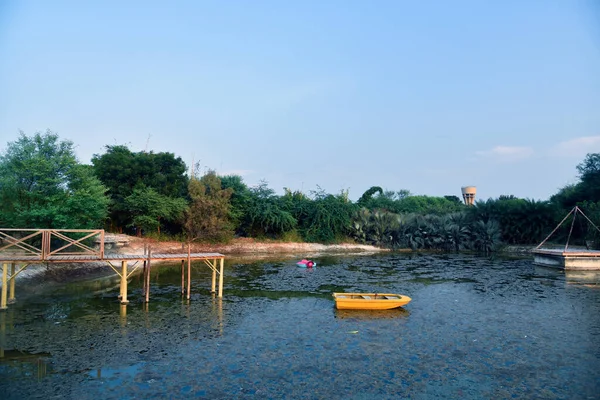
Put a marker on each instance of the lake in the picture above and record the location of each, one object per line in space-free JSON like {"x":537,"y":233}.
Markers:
{"x":476,"y":328}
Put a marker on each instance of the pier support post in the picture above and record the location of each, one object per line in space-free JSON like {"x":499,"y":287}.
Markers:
{"x":213,"y":263}
{"x":11,"y":293}
{"x":222,"y":262}
{"x":148,"y":275}
{"x":124,"y":282}
{"x":182,"y":277}
{"x":4,"y":287}
{"x":189,"y":271}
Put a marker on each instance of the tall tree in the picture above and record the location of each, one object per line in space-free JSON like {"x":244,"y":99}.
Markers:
{"x":150,"y":209}
{"x":589,"y":172}
{"x":209,"y":214}
{"x":265,"y":213}
{"x":42,"y":185}
{"x":122,"y":171}
{"x":240,"y":195}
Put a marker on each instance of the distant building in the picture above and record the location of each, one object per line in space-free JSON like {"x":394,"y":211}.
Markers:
{"x":468,"y":194}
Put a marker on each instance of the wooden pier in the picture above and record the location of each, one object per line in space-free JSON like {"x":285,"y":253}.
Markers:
{"x":572,"y":260}
{"x":568,"y":258}
{"x":20,"y":248}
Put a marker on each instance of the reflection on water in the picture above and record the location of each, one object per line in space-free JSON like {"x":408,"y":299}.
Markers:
{"x":586,"y":278}
{"x":476,"y":328}
{"x":27,"y":364}
{"x":371,"y":314}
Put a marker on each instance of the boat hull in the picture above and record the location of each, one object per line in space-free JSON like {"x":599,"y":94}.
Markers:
{"x":369,"y":301}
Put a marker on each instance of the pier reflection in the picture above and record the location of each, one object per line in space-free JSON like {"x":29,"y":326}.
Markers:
{"x":585,"y":278}
{"x":32,"y":364}
{"x":217,"y":310}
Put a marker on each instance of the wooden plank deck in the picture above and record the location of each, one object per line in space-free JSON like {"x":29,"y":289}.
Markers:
{"x":55,"y":246}
{"x":107,"y":257}
{"x":568,"y":252}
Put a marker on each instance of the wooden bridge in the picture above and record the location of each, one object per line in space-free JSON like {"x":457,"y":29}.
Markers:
{"x":20,"y":248}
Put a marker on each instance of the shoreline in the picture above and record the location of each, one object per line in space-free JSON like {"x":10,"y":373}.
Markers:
{"x":239,"y":248}
{"x":40,"y":274}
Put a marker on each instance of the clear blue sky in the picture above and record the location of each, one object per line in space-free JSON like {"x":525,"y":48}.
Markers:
{"x":426,"y":96}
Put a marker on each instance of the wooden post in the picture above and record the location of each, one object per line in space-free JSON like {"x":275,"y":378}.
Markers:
{"x":189,"y":271}
{"x":148,"y":275}
{"x":11,"y":294}
{"x":4,"y":287}
{"x":182,"y":271}
{"x":221,"y":277}
{"x":124,"y":282}
{"x":102,"y":244}
{"x":213,"y":286}
{"x":182,"y":277}
{"x":144,"y":273}
{"x":121,"y":283}
{"x":44,"y":249}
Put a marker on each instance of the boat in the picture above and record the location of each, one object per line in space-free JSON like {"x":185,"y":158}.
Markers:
{"x":369,"y":301}
{"x":306,"y":263}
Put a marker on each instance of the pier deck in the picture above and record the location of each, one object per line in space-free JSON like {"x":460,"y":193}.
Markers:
{"x":573,"y":260}
{"x":20,"y":248}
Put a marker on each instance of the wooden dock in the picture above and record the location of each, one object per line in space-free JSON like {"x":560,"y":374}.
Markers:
{"x":565,"y":258}
{"x":572,"y":260}
{"x":20,"y":248}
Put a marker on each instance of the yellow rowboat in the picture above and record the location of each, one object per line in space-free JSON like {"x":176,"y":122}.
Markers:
{"x":369,"y":301}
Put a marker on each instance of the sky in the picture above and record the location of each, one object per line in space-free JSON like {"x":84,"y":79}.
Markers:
{"x":424,"y":96}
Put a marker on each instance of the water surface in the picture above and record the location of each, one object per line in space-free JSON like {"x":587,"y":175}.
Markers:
{"x":476,"y":328}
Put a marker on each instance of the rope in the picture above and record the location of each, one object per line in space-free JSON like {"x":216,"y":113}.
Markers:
{"x":571,"y":231}
{"x":557,"y":226}
{"x":589,"y":220}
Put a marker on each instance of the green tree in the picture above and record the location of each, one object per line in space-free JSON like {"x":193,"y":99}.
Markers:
{"x":265,"y":214}
{"x":329,"y":217}
{"x":42,"y":185}
{"x":239,"y":201}
{"x":521,"y":221}
{"x":368,"y":195}
{"x":209,"y":214}
{"x":149,"y":209}
{"x":122,"y":171}
{"x":453,"y":199}
{"x":589,"y":172}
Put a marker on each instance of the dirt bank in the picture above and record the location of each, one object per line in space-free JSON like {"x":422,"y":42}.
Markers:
{"x":238,"y":248}
{"x":249,"y":247}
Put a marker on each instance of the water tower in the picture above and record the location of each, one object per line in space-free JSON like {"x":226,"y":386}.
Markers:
{"x":468,"y":194}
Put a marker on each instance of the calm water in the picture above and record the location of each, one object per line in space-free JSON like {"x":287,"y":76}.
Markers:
{"x":476,"y":328}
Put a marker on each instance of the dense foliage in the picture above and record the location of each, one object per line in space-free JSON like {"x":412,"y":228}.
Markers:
{"x":43,"y":185}
{"x":209,"y":214}
{"x":123,"y":171}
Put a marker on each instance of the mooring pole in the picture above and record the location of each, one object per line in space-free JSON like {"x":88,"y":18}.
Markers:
{"x":124,"y":282}
{"x":11,"y":294}
{"x":148,"y":275}
{"x":144,"y":273}
{"x":4,"y":287}
{"x":222,"y":262}
{"x":182,"y":277}
{"x":189,"y":271}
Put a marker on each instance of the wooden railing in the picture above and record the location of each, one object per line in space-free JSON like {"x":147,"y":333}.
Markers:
{"x":38,"y":243}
